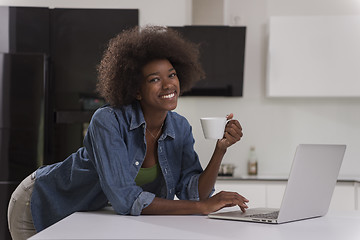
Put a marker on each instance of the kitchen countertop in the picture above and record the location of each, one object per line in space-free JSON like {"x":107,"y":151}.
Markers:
{"x":106,"y":224}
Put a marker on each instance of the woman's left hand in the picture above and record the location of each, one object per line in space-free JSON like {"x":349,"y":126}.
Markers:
{"x":232,"y":133}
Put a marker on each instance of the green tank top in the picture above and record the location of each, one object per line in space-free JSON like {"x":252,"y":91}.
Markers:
{"x":147,"y":175}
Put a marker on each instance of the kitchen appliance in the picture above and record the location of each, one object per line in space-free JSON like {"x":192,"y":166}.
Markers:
{"x":22,"y":111}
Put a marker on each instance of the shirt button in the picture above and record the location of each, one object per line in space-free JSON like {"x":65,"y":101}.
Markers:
{"x":137,"y":163}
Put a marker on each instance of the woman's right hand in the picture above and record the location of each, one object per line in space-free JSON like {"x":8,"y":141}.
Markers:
{"x":223,"y":199}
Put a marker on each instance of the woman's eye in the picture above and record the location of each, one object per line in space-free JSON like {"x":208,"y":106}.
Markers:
{"x":173,"y":75}
{"x":154,"y":79}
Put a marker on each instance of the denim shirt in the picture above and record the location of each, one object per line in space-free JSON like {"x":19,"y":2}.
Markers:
{"x":104,"y":170}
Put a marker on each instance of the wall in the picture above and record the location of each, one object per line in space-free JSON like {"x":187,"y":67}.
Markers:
{"x":4,"y":27}
{"x":208,"y":12}
{"x":273,"y":125}
{"x":159,"y":12}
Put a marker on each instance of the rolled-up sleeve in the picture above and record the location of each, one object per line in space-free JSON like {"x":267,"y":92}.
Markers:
{"x":193,"y":188}
{"x":143,"y":200}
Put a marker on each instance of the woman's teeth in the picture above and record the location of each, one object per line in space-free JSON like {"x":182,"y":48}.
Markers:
{"x":168,"y":95}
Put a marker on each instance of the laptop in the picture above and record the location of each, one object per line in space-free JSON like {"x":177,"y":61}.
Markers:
{"x":309,"y":189}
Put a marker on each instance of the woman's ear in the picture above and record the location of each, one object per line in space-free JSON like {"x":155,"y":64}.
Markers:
{"x":138,"y":96}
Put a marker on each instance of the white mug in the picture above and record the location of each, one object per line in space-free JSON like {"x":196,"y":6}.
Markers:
{"x":213,"y":127}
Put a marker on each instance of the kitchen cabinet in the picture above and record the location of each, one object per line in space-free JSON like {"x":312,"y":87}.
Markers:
{"x":357,"y":195}
{"x":269,"y":192}
{"x":313,"y":56}
{"x":344,"y":197}
{"x":251,"y":190}
{"x":275,"y":192}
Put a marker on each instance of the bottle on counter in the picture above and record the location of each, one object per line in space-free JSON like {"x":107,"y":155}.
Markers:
{"x":252,"y":162}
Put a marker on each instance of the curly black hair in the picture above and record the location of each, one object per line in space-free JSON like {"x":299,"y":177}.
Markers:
{"x":119,"y":72}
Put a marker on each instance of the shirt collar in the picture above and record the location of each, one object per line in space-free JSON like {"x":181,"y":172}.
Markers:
{"x":168,"y":127}
{"x":138,"y":120}
{"x":137,"y":116}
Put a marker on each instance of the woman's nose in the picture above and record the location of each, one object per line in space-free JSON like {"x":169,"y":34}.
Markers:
{"x":166,"y":83}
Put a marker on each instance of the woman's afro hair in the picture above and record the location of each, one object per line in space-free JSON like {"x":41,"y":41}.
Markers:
{"x":119,"y":72}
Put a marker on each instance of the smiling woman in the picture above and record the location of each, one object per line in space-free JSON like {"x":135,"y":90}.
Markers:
{"x":138,"y":154}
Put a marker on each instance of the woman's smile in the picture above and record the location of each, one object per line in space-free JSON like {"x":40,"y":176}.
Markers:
{"x":168,"y":96}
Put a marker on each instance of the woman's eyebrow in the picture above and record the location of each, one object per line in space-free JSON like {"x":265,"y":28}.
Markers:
{"x":152,"y":74}
{"x":158,"y":73}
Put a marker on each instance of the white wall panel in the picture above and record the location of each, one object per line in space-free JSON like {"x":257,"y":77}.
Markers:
{"x":314,"y":56}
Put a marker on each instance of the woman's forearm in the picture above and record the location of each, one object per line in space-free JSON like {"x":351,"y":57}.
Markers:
{"x":220,"y":200}
{"x":208,"y":177}
{"x":232,"y":134}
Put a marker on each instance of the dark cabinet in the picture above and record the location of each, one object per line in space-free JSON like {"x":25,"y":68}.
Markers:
{"x":48,"y":61}
{"x":22,"y":112}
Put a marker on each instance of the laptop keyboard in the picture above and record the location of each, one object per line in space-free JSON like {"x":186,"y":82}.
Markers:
{"x":271,"y":215}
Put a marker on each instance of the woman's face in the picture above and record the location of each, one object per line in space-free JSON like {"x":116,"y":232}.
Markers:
{"x":160,"y":88}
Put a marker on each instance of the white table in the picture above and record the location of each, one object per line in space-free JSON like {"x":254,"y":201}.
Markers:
{"x":106,"y":224}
